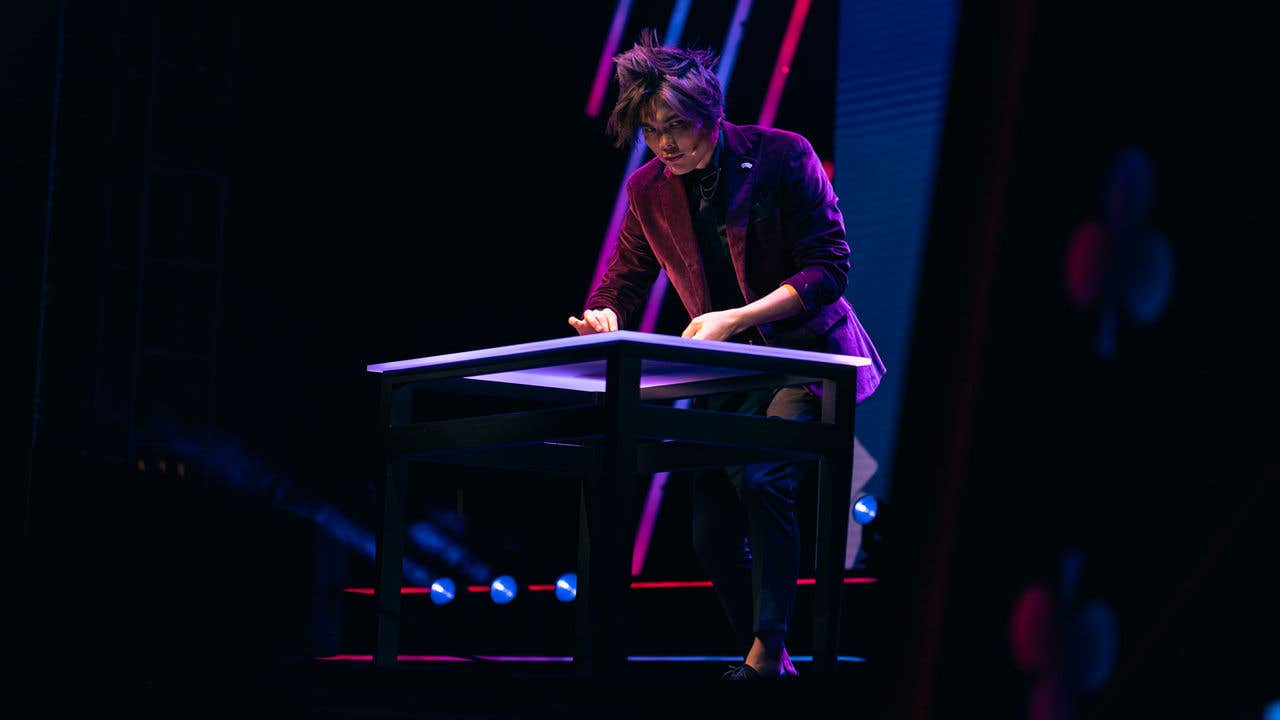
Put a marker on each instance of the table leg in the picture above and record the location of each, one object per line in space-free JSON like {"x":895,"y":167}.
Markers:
{"x":604,"y":524}
{"x":390,"y":557}
{"x":835,"y":477}
{"x":391,"y":535}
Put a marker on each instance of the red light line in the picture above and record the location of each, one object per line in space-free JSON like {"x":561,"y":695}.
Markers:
{"x":635,"y":585}
{"x":782,"y":67}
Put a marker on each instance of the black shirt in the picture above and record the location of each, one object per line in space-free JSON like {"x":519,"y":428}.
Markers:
{"x":705,"y":191}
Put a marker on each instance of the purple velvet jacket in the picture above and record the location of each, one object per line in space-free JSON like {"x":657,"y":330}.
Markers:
{"x":784,"y":227}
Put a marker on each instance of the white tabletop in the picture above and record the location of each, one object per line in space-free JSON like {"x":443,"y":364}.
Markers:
{"x":589,"y":376}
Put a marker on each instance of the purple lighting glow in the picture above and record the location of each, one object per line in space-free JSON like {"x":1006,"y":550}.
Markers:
{"x":605,"y":64}
{"x":675,"y":27}
{"x":590,"y":375}
{"x":569,"y":658}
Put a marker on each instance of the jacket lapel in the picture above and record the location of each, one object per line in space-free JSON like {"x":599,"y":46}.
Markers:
{"x":675,"y":209}
{"x":739,"y":159}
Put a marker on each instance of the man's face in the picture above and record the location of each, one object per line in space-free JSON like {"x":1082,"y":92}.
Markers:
{"x":679,"y":142}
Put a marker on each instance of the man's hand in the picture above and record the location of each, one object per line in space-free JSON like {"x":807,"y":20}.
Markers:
{"x":595,"y":321}
{"x":719,"y":325}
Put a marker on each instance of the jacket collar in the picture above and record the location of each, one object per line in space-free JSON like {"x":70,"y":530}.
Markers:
{"x":739,"y":154}
{"x":738,"y":159}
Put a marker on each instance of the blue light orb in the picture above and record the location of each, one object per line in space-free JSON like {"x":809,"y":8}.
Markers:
{"x":567,"y":587}
{"x":1271,"y":711}
{"x":503,"y":589}
{"x":442,"y":591}
{"x":865,"y":509}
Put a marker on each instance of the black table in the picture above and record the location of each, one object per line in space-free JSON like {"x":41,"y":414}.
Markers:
{"x":605,"y":414}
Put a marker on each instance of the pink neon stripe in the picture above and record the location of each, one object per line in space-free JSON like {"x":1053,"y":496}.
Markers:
{"x":536,"y":588}
{"x":657,"y":293}
{"x":569,"y":658}
{"x":402,"y":658}
{"x":783,"y":67}
{"x":657,"y":486}
{"x":653,"y":307}
{"x":675,"y":26}
{"x":605,"y":65}
{"x":611,"y":235}
{"x":769,"y":110}
{"x":648,"y":518}
{"x":478,"y":588}
{"x":526,"y":658}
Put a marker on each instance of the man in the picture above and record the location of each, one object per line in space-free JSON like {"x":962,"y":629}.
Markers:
{"x":746,"y":225}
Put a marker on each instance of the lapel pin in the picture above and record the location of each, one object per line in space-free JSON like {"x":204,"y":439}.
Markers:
{"x":746,"y":166}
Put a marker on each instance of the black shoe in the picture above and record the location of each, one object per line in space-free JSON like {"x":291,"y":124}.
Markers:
{"x":742,"y":672}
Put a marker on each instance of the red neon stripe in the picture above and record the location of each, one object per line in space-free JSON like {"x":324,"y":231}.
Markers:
{"x":636,"y":585}
{"x":783,"y":66}
{"x":670,"y":584}
{"x":1014,"y":30}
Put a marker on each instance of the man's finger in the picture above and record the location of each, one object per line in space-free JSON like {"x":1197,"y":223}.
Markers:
{"x":613,"y":321}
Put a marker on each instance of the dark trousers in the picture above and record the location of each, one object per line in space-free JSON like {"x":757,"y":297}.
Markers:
{"x":745,"y":527}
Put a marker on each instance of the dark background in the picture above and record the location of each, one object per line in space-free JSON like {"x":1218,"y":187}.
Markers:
{"x":301,"y":191}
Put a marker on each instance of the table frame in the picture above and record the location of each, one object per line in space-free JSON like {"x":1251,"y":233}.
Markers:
{"x":608,"y":438}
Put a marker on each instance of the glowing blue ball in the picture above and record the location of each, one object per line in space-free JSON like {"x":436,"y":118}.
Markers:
{"x":864,"y":509}
{"x":442,"y":591}
{"x":567,"y":587}
{"x":503,"y":589}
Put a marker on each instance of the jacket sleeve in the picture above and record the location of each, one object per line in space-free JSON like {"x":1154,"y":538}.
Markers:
{"x":630,"y":273}
{"x":812,"y":219}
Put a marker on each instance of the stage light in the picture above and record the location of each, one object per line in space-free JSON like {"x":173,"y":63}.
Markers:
{"x":1272,"y":711}
{"x":442,"y":591}
{"x":865,"y":509}
{"x":567,"y":587}
{"x":503,"y":589}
